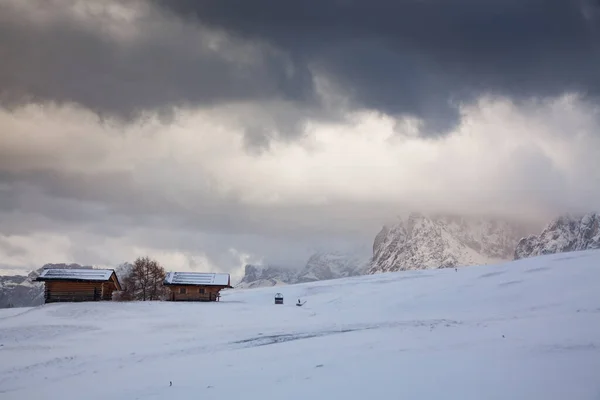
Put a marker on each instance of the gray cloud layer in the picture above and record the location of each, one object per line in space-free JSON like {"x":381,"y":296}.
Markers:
{"x":122,"y":66}
{"x":78,"y":184}
{"x":416,"y":58}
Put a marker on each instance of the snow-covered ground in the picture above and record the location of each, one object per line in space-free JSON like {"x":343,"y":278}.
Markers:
{"x":523,"y":330}
{"x":11,"y":312}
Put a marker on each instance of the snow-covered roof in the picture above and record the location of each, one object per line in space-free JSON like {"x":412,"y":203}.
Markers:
{"x":197,"y":278}
{"x":85,"y":274}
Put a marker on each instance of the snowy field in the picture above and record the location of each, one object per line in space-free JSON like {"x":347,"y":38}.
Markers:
{"x":523,"y":330}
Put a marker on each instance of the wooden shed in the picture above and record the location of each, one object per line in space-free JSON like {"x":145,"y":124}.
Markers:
{"x":85,"y":284}
{"x":278,"y":298}
{"x":196,"y":286}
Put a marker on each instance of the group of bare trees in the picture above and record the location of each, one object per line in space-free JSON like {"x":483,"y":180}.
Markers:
{"x":143,"y":282}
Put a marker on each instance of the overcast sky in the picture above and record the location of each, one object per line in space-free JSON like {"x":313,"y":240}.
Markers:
{"x":212,"y":133}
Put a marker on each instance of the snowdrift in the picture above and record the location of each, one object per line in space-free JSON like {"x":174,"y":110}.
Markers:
{"x":528,"y":329}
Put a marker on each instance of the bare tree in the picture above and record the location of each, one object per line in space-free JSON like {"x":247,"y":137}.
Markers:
{"x":145,"y":282}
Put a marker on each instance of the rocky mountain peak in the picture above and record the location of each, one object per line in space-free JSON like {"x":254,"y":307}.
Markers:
{"x":442,"y":241}
{"x":563,"y":234}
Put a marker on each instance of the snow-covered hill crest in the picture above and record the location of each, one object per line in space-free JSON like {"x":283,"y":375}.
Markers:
{"x":565,"y":233}
{"x":422,"y":242}
{"x":523,"y":330}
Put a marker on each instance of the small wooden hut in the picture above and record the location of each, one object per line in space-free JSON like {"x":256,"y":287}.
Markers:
{"x":278,"y":298}
{"x":196,"y":286}
{"x":84,"y":284}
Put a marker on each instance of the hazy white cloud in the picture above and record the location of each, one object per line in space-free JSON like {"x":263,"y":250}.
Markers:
{"x":498,"y":150}
{"x":210,"y":137}
{"x":188,"y":192}
{"x":17,"y":251}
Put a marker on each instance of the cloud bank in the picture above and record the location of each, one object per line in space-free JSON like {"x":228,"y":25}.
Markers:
{"x":211,"y":134}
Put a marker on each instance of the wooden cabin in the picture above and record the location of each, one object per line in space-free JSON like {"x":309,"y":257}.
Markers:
{"x":196,"y":286}
{"x":84,"y":284}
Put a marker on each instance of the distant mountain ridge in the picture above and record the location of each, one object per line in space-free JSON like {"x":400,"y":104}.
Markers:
{"x":418,"y":242}
{"x":564,"y":234}
{"x":430,"y":242}
{"x":268,"y":275}
{"x":320,"y":266}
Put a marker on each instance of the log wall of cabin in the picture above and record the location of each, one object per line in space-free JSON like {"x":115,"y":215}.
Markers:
{"x":192,"y":293}
{"x":78,"y":291}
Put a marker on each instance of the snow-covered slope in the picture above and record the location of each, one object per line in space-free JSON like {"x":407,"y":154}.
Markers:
{"x":564,"y":234}
{"x":485,"y":332}
{"x":422,"y":242}
{"x":320,"y":266}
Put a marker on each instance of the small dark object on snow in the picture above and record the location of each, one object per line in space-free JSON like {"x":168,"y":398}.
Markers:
{"x":502,"y":335}
{"x":319,"y":366}
{"x":278,"y":298}
{"x":299,"y":304}
{"x":170,"y":383}
{"x":455,"y":269}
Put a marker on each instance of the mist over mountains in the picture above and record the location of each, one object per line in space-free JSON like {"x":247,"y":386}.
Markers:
{"x":416,"y":242}
{"x":430,"y":242}
{"x":320,"y":266}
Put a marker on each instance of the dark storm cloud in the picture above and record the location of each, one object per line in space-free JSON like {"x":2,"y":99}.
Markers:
{"x":403,"y":57}
{"x":421,"y":57}
{"x":167,"y":64}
